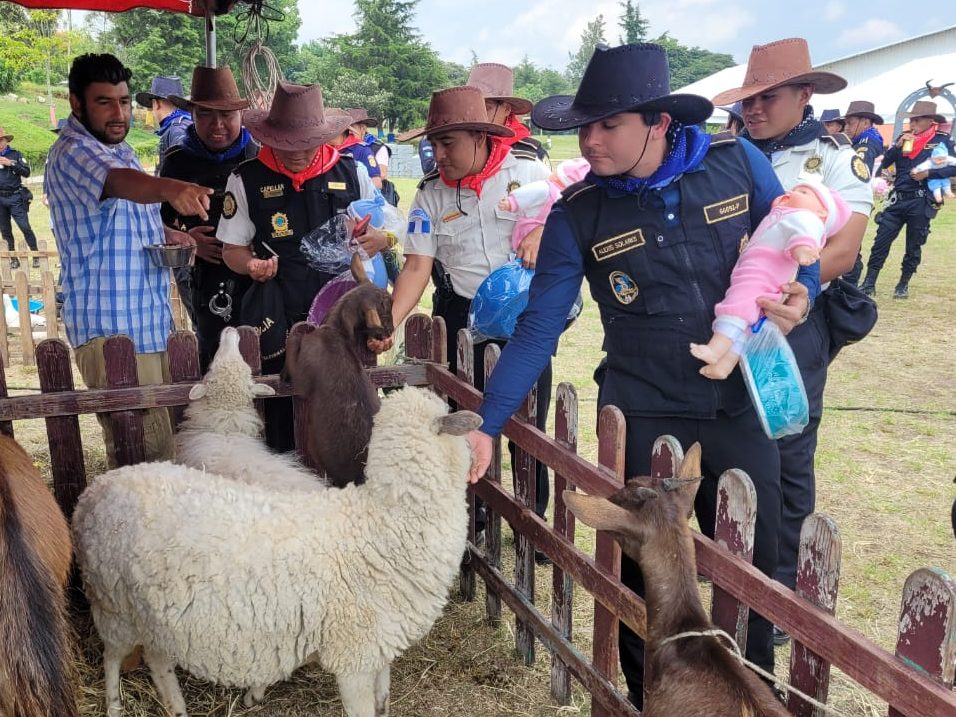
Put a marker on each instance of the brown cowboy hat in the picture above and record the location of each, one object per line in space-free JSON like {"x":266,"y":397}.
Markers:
{"x":213,"y":88}
{"x":862,"y":108}
{"x":777,"y":64}
{"x":296,"y":119}
{"x":457,"y":108}
{"x":361,"y":115}
{"x":4,"y":135}
{"x":925,"y":108}
{"x":497,"y":83}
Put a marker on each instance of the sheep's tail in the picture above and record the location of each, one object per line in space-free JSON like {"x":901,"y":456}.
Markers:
{"x":36,"y":663}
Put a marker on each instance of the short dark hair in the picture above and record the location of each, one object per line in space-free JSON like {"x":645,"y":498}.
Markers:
{"x":90,"y":68}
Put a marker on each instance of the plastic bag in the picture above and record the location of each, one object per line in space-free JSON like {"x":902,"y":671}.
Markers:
{"x":499,"y":301}
{"x":773,"y":380}
{"x":329,"y":249}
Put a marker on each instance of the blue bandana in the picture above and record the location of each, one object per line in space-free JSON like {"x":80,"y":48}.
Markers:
{"x":369,"y":139}
{"x":194,"y":146}
{"x":176,"y":114}
{"x":688,"y":147}
{"x":807,"y":131}
{"x":869,"y":133}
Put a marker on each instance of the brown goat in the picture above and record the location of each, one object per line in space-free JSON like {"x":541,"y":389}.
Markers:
{"x":691,"y":676}
{"x":325,"y":367}
{"x":36,"y":662}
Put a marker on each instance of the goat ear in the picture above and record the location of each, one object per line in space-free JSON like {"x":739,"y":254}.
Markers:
{"x":690,"y":466}
{"x":690,"y":477}
{"x":372,"y":319}
{"x":600,"y":513}
{"x":263,"y":389}
{"x":197,"y":392}
{"x":358,"y":270}
{"x":459,"y":423}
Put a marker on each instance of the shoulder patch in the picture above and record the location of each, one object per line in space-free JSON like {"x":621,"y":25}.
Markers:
{"x":430,"y":177}
{"x":721,"y":138}
{"x":419,"y":222}
{"x":837,"y":140}
{"x":523,"y":153}
{"x":229,"y":206}
{"x":859,"y":168}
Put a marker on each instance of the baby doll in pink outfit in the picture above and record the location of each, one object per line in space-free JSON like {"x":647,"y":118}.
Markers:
{"x":533,"y":200}
{"x":792,"y":234}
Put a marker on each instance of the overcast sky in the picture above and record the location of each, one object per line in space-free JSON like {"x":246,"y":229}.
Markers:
{"x":546,"y":30}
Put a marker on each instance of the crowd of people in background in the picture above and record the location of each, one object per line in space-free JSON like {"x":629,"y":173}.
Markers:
{"x":655,"y":227}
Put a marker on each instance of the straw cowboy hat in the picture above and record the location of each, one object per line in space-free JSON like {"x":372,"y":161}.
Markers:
{"x":925,"y":108}
{"x":862,"y":108}
{"x":295,"y":120}
{"x":777,"y":64}
{"x":457,"y":108}
{"x":214,"y":88}
{"x":497,"y":83}
{"x":629,"y":78}
{"x":4,"y":135}
{"x":361,"y":115}
{"x":160,"y":89}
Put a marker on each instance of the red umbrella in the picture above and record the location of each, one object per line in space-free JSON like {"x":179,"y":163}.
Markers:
{"x":196,"y":7}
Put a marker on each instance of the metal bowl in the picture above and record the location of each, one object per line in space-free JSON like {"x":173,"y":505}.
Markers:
{"x":170,"y":255}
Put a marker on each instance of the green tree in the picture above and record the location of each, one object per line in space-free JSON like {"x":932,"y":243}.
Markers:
{"x":632,"y":23}
{"x":592,"y":36}
{"x":689,"y":64}
{"x":351,"y":89}
{"x":456,"y":73}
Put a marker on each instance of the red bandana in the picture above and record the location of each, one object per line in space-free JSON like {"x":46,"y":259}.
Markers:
{"x":349,"y":141}
{"x":323,"y":161}
{"x":518,"y":127}
{"x":920,"y":140}
{"x":496,"y":157}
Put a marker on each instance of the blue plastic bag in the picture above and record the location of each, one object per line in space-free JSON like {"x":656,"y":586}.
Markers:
{"x":499,"y":301}
{"x":774,"y":382}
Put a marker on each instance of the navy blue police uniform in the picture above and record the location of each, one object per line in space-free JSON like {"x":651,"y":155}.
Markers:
{"x":13,"y":199}
{"x":868,"y":145}
{"x":910,"y":205}
{"x":656,"y":264}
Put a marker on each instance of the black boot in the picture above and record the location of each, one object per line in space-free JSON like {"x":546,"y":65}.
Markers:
{"x":868,"y":286}
{"x":902,"y":290}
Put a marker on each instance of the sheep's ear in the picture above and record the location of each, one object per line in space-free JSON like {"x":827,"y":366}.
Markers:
{"x":263,"y":389}
{"x":197,"y":392}
{"x":600,"y":513}
{"x":459,"y":423}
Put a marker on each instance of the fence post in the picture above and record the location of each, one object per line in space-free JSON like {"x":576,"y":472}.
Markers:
{"x":524,"y":470}
{"x":492,"y":519}
{"x":666,"y":457}
{"x":249,"y":348}
{"x":418,"y":337}
{"x":734,"y":532}
{"x":562,"y":587}
{"x":439,"y":341}
{"x":182,"y":351}
{"x":607,"y":553}
{"x":48,"y":287}
{"x":466,"y":372}
{"x":818,"y":580}
{"x":26,"y":325}
{"x":927,"y":637}
{"x":63,"y":432}
{"x":128,"y":435}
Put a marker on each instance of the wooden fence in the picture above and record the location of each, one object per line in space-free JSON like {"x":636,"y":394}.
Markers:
{"x":917,"y":681}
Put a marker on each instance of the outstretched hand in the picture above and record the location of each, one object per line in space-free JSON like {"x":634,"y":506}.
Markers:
{"x":482,"y":446}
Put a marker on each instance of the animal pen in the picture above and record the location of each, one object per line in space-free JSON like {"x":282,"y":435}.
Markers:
{"x":917,"y":681}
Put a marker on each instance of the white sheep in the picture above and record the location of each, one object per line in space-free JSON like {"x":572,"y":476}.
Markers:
{"x":241,"y":584}
{"x":222,"y":429}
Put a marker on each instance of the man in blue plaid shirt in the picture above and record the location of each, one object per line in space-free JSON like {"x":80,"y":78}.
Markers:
{"x":104,"y":210}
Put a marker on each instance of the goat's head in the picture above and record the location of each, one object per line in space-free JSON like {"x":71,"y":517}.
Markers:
{"x":229,"y":378}
{"x":644,"y":508}
{"x":365,"y":310}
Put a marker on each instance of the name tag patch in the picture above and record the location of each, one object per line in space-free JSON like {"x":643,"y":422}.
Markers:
{"x":336,"y":186}
{"x":727,"y":208}
{"x":271,"y":191}
{"x":618,"y":244}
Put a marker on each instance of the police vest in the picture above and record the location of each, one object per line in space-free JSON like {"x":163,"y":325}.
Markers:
{"x":904,"y":182}
{"x":283,"y":216}
{"x":656,"y":267}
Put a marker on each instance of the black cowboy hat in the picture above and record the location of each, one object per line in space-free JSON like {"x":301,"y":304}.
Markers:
{"x":159,"y":89}
{"x":629,"y":78}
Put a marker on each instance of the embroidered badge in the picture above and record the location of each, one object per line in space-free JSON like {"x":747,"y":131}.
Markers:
{"x":272,"y":191}
{"x":372,"y":162}
{"x":727,"y":208}
{"x":513,"y":185}
{"x":859,"y":169}
{"x":419,"y":222}
{"x":618,"y":244}
{"x":861,"y":150}
{"x":623,"y":286}
{"x":451,"y":216}
{"x":813,"y":164}
{"x":744,"y":241}
{"x":280,"y":225}
{"x":229,"y":206}
{"x":336,"y":186}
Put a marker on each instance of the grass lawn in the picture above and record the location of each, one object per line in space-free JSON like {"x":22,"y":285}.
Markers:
{"x":885,"y":468}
